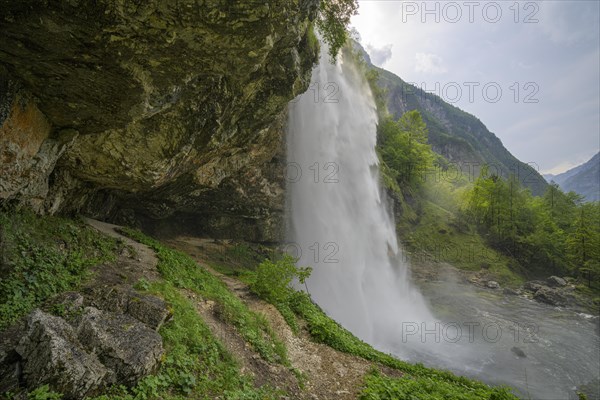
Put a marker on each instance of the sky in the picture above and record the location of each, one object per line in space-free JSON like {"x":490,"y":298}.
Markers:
{"x":529,"y":70}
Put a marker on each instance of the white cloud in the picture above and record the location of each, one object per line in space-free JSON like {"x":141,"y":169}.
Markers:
{"x":429,"y":63}
{"x":380,"y":55}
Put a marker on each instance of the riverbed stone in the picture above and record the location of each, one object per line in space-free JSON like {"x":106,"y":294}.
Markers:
{"x":556,"y":281}
{"x":492,"y":285}
{"x":533,"y":286}
{"x":550,"y":296}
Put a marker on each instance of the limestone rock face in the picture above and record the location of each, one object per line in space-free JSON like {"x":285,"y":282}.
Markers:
{"x":86,"y":349}
{"x":130,"y":349}
{"x":52,"y":356}
{"x":154,"y":109}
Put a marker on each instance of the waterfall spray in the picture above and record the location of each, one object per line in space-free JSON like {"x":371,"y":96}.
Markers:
{"x":338,"y":220}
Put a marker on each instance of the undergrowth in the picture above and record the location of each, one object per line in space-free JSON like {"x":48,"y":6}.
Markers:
{"x":42,"y":256}
{"x":183,"y":272}
{"x":380,"y":387}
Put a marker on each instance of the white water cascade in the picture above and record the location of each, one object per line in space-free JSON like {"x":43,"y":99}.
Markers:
{"x":339,"y":223}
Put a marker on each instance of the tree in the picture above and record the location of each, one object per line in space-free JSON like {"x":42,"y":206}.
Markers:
{"x":583,"y":243}
{"x":333,"y":20}
{"x":404,"y":148}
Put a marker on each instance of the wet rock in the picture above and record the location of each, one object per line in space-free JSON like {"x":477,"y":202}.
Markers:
{"x":492,"y":285}
{"x":555,"y":281}
{"x":518,"y":352}
{"x":511,"y":292}
{"x":550,"y":296}
{"x":533,"y":286}
{"x":52,"y":356}
{"x":130,"y":349}
{"x":203,"y":107}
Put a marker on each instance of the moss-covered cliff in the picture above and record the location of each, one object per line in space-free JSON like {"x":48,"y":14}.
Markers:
{"x":151,"y":110}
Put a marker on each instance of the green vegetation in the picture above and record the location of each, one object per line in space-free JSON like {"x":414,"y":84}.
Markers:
{"x":183,"y":272}
{"x":43,"y":393}
{"x":381,"y":387}
{"x":332,"y":22}
{"x":552,"y":234}
{"x":42,"y":256}
{"x":196,"y":365}
{"x":404,"y":149}
{"x":272,"y":282}
{"x":325,"y":330}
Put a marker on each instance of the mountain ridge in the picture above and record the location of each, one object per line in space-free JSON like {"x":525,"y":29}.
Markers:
{"x":583,"y":179}
{"x":460,"y":137}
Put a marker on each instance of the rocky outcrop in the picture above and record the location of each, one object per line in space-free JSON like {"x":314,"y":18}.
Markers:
{"x":51,"y":355}
{"x":152,"y":110}
{"x":85,"y":349}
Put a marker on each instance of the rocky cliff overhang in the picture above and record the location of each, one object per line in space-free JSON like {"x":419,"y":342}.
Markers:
{"x":151,"y":109}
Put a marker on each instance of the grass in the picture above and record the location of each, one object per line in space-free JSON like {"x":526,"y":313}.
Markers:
{"x":196,"y":364}
{"x":183,"y":272}
{"x":380,"y":387}
{"x":43,"y":256}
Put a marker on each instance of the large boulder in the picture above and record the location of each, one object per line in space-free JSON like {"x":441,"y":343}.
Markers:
{"x":550,"y":296}
{"x":130,"y":349}
{"x":78,"y":356}
{"x":555,"y":281}
{"x":51,"y":355}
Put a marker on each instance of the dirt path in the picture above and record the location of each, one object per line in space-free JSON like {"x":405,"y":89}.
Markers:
{"x":329,"y":373}
{"x":135,"y":262}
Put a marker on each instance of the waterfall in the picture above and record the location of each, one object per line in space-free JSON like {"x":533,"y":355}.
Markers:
{"x":339,"y":222}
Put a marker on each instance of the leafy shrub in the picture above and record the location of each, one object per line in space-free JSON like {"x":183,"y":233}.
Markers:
{"x":273,"y":279}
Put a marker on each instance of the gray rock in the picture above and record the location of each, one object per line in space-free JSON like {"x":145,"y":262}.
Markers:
{"x":550,"y":296}
{"x":532,"y":286}
{"x":511,"y":292}
{"x":126,"y":346}
{"x":518,"y":352}
{"x":492,"y":285}
{"x":555,"y":281}
{"x":150,"y":310}
{"x":51,"y":355}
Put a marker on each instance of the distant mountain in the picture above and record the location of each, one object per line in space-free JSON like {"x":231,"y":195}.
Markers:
{"x":458,"y":136}
{"x":583,"y":179}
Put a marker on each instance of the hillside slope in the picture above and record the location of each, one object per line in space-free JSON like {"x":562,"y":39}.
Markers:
{"x":583,"y":179}
{"x":458,"y":136}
